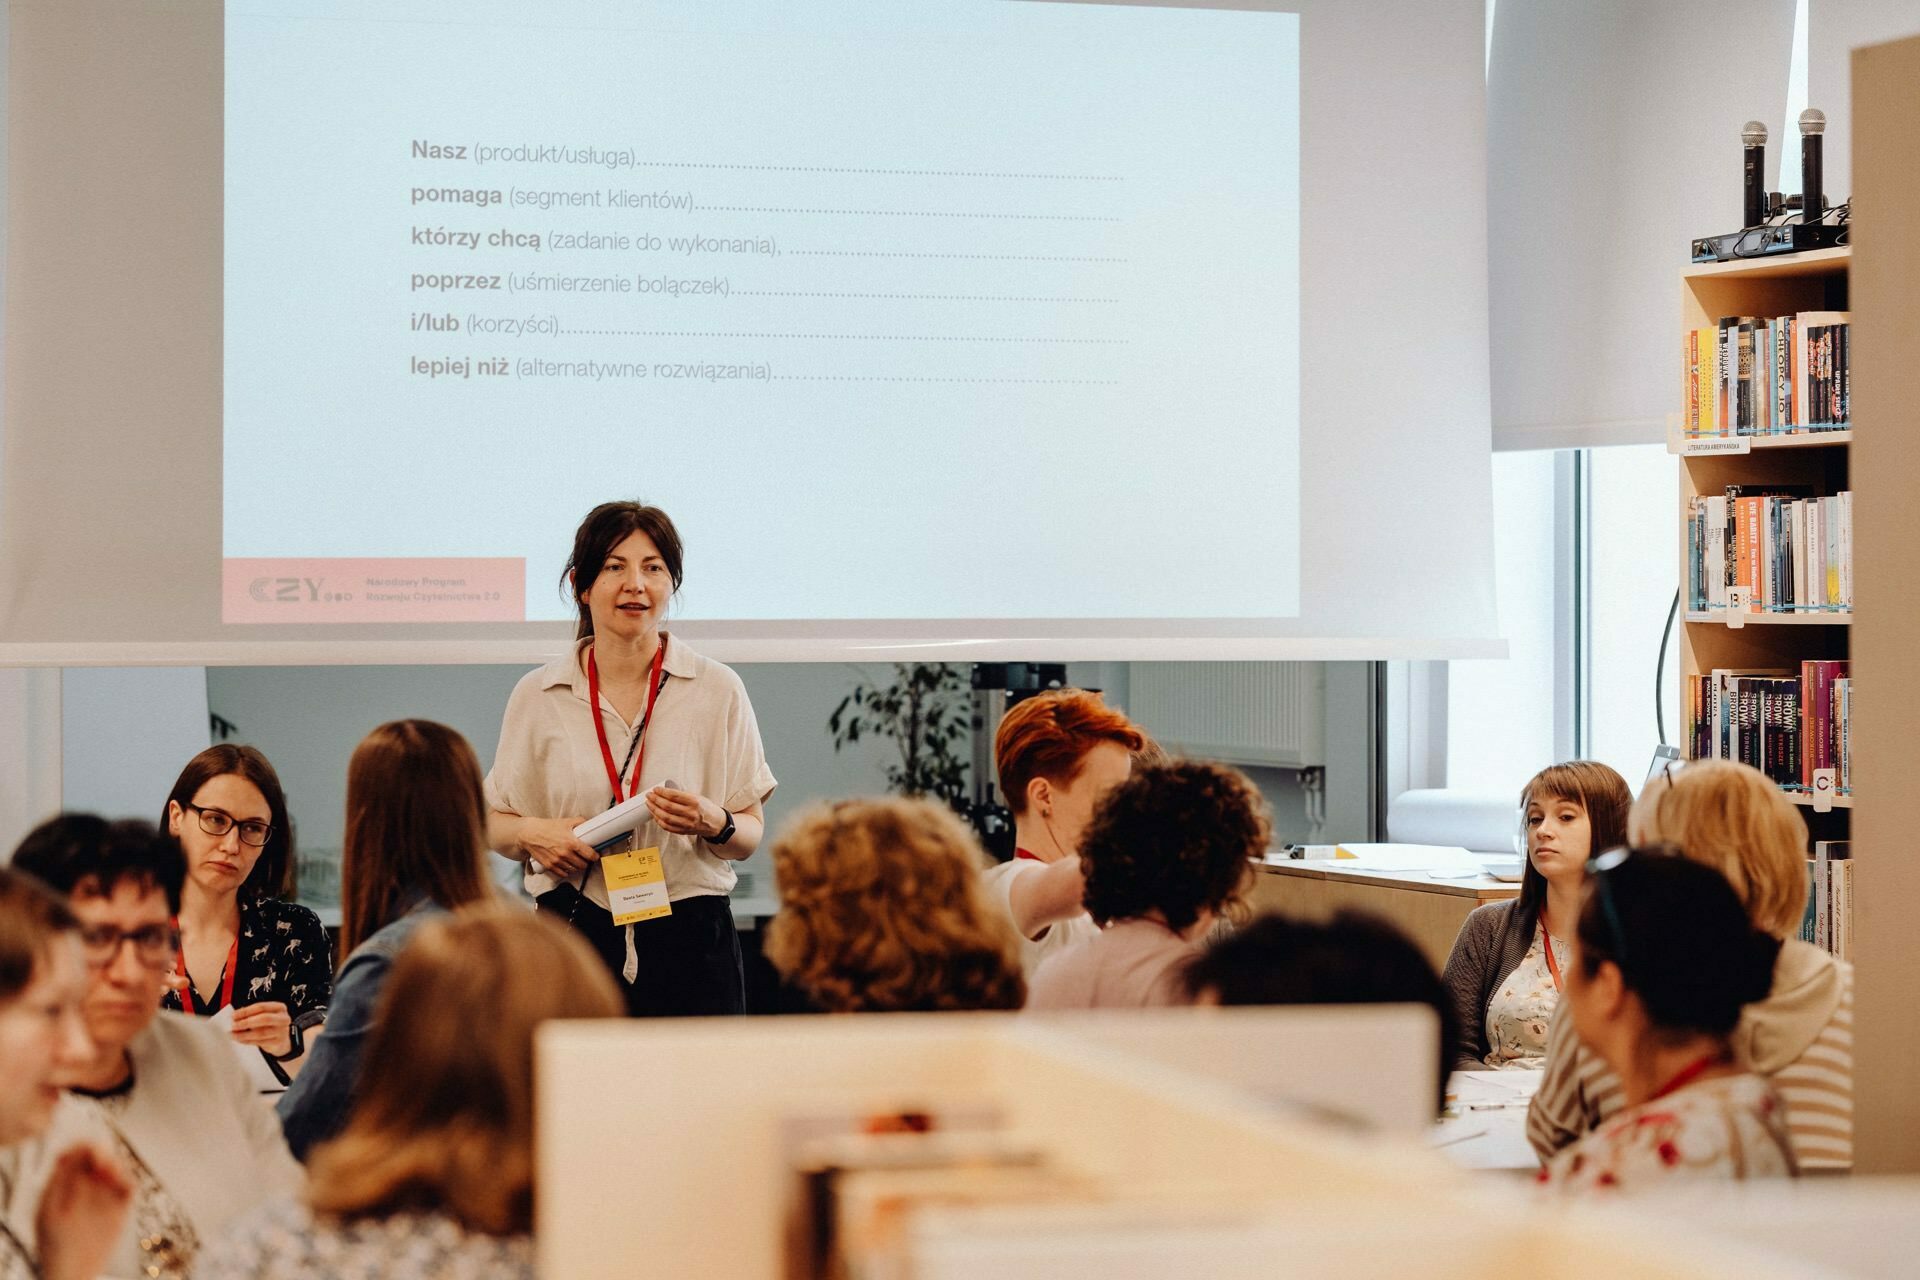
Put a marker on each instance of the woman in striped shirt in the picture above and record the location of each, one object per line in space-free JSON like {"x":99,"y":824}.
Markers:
{"x":1800,"y":1037}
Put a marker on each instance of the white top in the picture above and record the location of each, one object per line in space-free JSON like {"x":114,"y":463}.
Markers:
{"x":1522,"y":1007}
{"x":1727,"y":1129}
{"x":703,"y":737}
{"x":212,"y":1144}
{"x":1053,"y":939}
{"x":1131,"y":964}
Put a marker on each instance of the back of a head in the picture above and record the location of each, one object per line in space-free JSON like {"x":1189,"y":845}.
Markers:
{"x":443,"y":1117}
{"x":31,"y":916}
{"x":416,"y":824}
{"x":1049,"y":735}
{"x":882,"y":910}
{"x":1732,"y":818}
{"x":85,"y":853}
{"x":1681,"y":939}
{"x":1176,"y":839}
{"x":1354,"y":958}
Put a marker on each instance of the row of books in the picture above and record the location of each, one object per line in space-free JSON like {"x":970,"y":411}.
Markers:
{"x":1749,"y":375}
{"x":1791,"y":552}
{"x":1828,"y":923}
{"x":1787,"y":726}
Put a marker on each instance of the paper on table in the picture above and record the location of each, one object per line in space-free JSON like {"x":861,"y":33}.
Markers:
{"x":259,"y":1074}
{"x":1408,"y":857}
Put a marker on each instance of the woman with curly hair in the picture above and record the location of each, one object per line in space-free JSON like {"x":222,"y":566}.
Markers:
{"x":882,"y":910}
{"x":1168,"y":853}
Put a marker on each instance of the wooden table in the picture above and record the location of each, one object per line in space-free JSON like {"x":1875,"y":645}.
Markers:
{"x":1430,"y":911}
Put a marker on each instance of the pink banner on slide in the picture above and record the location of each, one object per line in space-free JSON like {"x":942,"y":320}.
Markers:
{"x":374,"y":589}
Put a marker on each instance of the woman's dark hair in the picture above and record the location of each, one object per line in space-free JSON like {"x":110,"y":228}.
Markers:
{"x":1596,"y":788}
{"x":1681,"y":938}
{"x":272,"y":875}
{"x":31,"y":916}
{"x":606,"y":527}
{"x":1174,"y":838}
{"x":84,"y":849}
{"x":416,"y":826}
{"x":1354,"y":958}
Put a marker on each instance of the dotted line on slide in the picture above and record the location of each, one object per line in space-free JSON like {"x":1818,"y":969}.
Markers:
{"x":927,"y":297}
{"x":912,"y":213}
{"x":845,"y":337}
{"x":1051,"y":382}
{"x":901,"y":173}
{"x":978,"y":257}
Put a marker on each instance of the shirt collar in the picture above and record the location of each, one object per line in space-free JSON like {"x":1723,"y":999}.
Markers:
{"x":570,"y":669}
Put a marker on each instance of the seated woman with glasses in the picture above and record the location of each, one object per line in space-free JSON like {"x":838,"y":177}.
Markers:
{"x":1666,"y":960}
{"x":43,"y":975}
{"x":1800,"y":1035}
{"x":1506,"y":970}
{"x":241,"y":946}
{"x":1167,"y":856}
{"x":163,"y":1095}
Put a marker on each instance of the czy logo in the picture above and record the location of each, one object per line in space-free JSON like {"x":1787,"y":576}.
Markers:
{"x":285,"y":590}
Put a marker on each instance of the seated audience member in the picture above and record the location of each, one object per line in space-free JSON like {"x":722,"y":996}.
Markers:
{"x":1354,"y":958}
{"x":1666,"y":960}
{"x":882,"y":911}
{"x":415,"y":846}
{"x":1057,"y":753}
{"x":1167,"y":855}
{"x":242,"y":947}
{"x":1733,"y":819}
{"x":1508,"y":965}
{"x":43,"y":978}
{"x":433,"y":1175}
{"x":162,"y":1093}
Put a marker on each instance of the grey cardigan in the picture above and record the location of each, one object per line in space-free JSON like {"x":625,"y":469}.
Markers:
{"x":1491,"y":945}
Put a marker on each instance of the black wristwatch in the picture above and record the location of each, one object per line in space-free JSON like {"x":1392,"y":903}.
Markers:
{"x":297,"y":1046}
{"x":726,"y":832}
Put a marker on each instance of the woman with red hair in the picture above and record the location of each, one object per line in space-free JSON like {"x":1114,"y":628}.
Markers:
{"x":1057,"y":753}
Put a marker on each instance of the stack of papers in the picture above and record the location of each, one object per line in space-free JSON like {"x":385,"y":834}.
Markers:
{"x":1433,"y":858}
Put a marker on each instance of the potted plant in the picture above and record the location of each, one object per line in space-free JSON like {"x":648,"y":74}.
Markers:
{"x":927,"y":713}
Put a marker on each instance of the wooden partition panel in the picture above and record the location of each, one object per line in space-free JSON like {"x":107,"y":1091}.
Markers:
{"x":1886,"y":304}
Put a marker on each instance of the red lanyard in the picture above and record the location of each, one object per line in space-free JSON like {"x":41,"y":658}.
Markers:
{"x":1546,"y":944}
{"x":654,"y":680}
{"x":226,"y":983}
{"x":1022,"y":853}
{"x":1689,"y":1074}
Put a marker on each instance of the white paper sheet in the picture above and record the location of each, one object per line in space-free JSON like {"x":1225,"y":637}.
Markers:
{"x":259,"y":1074}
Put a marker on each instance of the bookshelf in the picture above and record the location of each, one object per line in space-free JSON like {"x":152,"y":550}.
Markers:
{"x":1819,"y":460}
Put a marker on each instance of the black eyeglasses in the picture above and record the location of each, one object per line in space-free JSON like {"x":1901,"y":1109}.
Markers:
{"x":154,"y":945}
{"x":1597,"y":868}
{"x":217,"y":822}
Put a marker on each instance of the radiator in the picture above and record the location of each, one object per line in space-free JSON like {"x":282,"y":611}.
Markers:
{"x":1261,"y":713}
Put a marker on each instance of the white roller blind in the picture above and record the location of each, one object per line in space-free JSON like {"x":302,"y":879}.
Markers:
{"x":1613,"y":138}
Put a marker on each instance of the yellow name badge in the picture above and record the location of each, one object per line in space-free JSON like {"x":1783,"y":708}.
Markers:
{"x":636,"y":886}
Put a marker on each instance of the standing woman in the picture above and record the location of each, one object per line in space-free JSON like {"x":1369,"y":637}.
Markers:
{"x":242,"y":946}
{"x":625,"y":711}
{"x":1507,"y":968}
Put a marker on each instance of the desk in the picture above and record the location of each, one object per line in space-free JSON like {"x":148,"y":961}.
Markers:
{"x":1430,"y":911}
{"x":1485,"y":1126}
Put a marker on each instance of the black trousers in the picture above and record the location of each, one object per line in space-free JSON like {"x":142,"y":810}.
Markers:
{"x":689,"y":961}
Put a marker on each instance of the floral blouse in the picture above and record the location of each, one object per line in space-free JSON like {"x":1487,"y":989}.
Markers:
{"x":1522,"y":1008}
{"x":284,"y":956}
{"x":1725,"y":1129}
{"x":286,"y":1242}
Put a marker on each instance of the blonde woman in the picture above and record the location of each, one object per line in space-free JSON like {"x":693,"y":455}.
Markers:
{"x":433,"y":1176}
{"x":882,"y":910}
{"x":1800,"y":1037}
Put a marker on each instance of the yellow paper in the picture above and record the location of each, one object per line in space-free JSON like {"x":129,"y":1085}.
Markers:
{"x":636,"y":886}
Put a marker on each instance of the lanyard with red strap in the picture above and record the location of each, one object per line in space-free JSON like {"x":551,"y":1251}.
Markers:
{"x":1546,"y":943}
{"x":1688,"y":1074}
{"x":1030,"y":856}
{"x":637,"y":749}
{"x":226,"y":983}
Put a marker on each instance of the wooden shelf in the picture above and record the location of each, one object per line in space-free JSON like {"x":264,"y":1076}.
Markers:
{"x":1805,"y":801}
{"x":1789,"y":440}
{"x":1775,"y":266}
{"x":1716,"y":619}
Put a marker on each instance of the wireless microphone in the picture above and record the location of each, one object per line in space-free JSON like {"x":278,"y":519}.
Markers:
{"x":1754,"y":176}
{"x":1813,"y":199}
